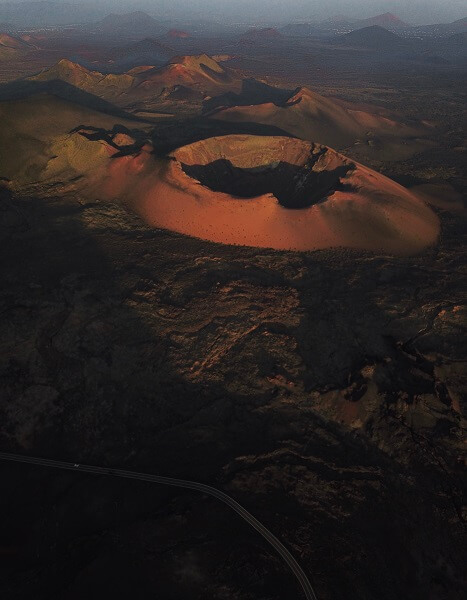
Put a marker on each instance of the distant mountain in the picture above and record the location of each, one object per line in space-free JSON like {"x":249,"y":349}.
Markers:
{"x":439,"y":29}
{"x":387,"y":20}
{"x":342,"y":22}
{"x":459,"y":26}
{"x":374,"y":37}
{"x":132,"y":24}
{"x":297,"y":29}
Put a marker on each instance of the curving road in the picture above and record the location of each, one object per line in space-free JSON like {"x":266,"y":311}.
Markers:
{"x":181,"y":483}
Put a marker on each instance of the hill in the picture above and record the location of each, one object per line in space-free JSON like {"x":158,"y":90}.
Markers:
{"x":440,"y":29}
{"x":37,"y":143}
{"x":12,"y":46}
{"x":10,"y":41}
{"x":374,"y":37}
{"x":103,"y":85}
{"x":200,"y":72}
{"x":310,"y":116}
{"x":387,"y":20}
{"x":461,"y":24}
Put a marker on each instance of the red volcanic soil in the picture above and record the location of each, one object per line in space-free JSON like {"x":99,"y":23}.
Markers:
{"x":272,"y":192}
{"x":177,"y":34}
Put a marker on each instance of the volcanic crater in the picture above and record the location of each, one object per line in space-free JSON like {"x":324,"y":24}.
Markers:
{"x":240,"y":189}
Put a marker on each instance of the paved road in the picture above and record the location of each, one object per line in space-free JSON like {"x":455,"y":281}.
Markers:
{"x":181,"y":483}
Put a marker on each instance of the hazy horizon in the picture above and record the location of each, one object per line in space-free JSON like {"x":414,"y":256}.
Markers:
{"x":417,"y":12}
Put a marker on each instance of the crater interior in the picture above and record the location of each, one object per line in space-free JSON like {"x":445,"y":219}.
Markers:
{"x":271,"y":166}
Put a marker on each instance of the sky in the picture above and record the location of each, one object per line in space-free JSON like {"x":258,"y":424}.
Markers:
{"x":416,"y":11}
{"x":412,"y":11}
